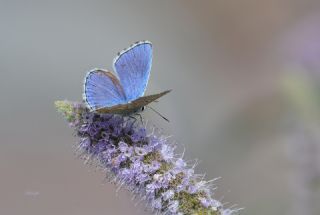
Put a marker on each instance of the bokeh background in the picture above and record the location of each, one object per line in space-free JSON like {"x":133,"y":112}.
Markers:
{"x":245,"y":76}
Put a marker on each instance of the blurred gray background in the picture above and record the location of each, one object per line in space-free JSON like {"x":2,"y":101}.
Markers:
{"x":245,"y":99}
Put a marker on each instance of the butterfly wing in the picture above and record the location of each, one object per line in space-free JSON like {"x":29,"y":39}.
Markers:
{"x":133,"y":67}
{"x":102,"y":89}
{"x":133,"y":106}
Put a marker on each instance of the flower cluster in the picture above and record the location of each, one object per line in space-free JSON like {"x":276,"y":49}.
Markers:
{"x":143,"y":161}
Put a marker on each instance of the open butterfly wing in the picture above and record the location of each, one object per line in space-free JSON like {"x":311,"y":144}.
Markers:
{"x":133,"y":67}
{"x":102,"y":89}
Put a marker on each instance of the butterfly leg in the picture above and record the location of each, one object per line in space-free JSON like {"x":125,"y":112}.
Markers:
{"x":138,"y":114}
{"x":134,"y":120}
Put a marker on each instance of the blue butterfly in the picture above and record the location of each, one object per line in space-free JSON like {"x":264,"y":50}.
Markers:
{"x":106,"y":93}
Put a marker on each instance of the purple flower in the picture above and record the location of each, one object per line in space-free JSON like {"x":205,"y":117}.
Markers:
{"x":85,"y":144}
{"x":167,"y":195}
{"x":144,"y":163}
{"x":138,"y":135}
{"x":126,"y":174}
{"x":180,"y":164}
{"x":141,"y":178}
{"x":151,"y":168}
{"x":150,"y":188}
{"x":154,"y":142}
{"x":105,"y":135}
{"x":205,"y":202}
{"x":125,"y":149}
{"x":157,"y":203}
{"x":173,"y":207}
{"x":167,"y":152}
{"x":140,"y":151}
{"x":118,"y":160}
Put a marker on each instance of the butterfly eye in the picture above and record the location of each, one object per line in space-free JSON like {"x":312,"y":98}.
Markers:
{"x":142,"y":109}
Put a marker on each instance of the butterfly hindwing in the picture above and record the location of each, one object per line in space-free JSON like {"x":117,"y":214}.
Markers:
{"x":102,"y":89}
{"x":133,"y":67}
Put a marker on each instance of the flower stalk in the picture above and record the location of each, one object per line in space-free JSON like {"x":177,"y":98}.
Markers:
{"x":143,"y":161}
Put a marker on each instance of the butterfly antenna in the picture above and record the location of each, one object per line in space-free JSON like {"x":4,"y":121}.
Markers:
{"x":158,"y":113}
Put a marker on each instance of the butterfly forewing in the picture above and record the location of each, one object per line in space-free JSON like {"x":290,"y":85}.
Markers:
{"x":133,"y":67}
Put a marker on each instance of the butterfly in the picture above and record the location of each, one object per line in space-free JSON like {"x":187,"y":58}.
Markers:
{"x":105,"y":92}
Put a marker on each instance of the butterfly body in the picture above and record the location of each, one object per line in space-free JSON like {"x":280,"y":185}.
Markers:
{"x":122,"y":94}
{"x":134,"y":106}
